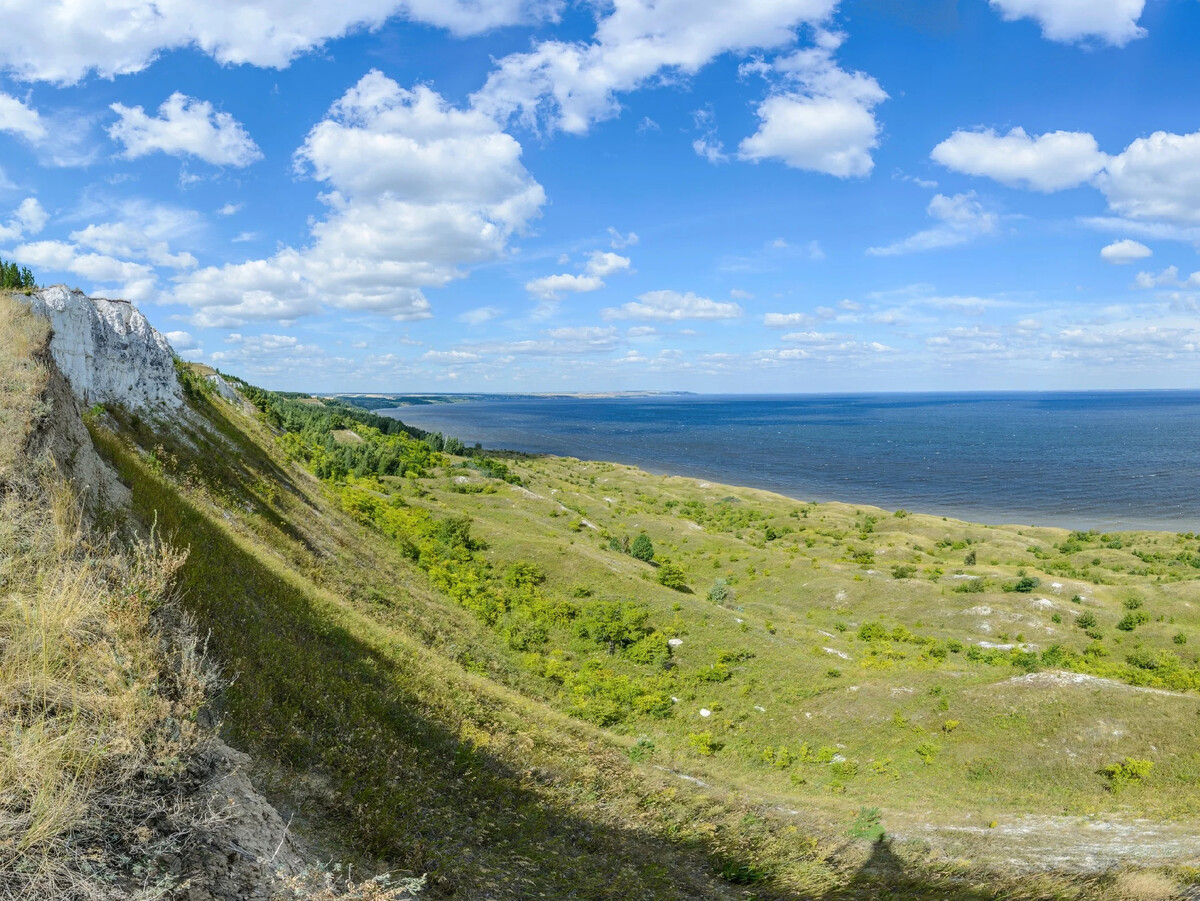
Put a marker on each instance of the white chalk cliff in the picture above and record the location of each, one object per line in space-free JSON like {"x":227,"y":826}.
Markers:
{"x":108,"y":352}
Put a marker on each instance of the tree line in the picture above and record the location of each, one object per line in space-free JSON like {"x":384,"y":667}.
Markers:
{"x":13,"y":276}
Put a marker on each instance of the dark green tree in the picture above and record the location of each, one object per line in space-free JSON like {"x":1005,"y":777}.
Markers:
{"x":615,"y":623}
{"x":642,"y":547}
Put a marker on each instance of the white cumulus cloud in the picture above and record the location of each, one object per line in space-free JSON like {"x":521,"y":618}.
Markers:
{"x":1068,"y":21}
{"x":1124,"y":251}
{"x":552,"y":287}
{"x":28,"y":218}
{"x":132,"y":281}
{"x":787,"y":320}
{"x":417,"y":189}
{"x":184,"y":126}
{"x":63,"y":40}
{"x":671,"y":306}
{"x":1156,"y":178}
{"x":601,"y":263}
{"x":821,"y":119}
{"x":1048,"y":162}
{"x":572,"y":85}
{"x":19,"y":119}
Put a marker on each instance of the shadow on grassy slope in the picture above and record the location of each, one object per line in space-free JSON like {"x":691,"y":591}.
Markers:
{"x":417,"y":765}
{"x":376,"y":718}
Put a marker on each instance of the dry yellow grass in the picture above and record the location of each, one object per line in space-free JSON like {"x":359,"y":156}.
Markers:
{"x":1145,"y":885}
{"x":90,"y":711}
{"x":23,"y":377}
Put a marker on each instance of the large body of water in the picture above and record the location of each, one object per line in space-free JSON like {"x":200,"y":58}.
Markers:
{"x":1104,"y":460}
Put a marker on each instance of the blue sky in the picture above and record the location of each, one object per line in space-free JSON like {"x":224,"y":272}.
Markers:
{"x":540,"y":195}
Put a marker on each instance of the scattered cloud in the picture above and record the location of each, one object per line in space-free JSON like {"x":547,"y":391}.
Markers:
{"x":602,"y":264}
{"x":708,"y":146}
{"x":572,"y":85}
{"x":479,"y":315}
{"x":135,"y":281}
{"x":1072,"y":21}
{"x":1048,"y":162}
{"x":28,"y":218}
{"x":671,"y":306}
{"x":1168,"y":278}
{"x":21,"y":120}
{"x":787,"y":320}
{"x":181,"y":341}
{"x":960,"y":218}
{"x":230,"y":209}
{"x":144,"y":231}
{"x":820,"y":118}
{"x":552,"y":287}
{"x":1154,"y":179}
{"x":416,"y":190}
{"x":184,"y":126}
{"x":1124,"y":251}
{"x":619,"y":241}
{"x":62,"y":41}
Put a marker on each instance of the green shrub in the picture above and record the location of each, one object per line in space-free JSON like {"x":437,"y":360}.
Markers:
{"x":703,"y":743}
{"x":615,"y":623}
{"x":524,"y":575}
{"x":642,"y":548}
{"x":1132,"y":620}
{"x":672,"y":576}
{"x":1086,"y":620}
{"x":927,"y":751}
{"x":868,"y":825}
{"x":1023,"y":585}
{"x":652,"y":650}
{"x":1124,"y":773}
{"x":716,"y":672}
{"x":642,"y":751}
{"x":873,"y":631}
{"x":843,"y":770}
{"x":719,"y":591}
{"x":781,"y":758}
{"x":971,"y":586}
{"x":903,"y":571}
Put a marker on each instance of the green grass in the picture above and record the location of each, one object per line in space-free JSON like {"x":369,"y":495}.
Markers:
{"x":428,"y":702}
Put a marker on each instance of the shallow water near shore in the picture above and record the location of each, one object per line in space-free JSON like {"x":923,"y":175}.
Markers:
{"x":1081,"y":460}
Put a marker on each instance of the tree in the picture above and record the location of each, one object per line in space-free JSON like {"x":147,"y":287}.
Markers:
{"x":642,"y":548}
{"x":671,"y":575}
{"x":615,"y":623}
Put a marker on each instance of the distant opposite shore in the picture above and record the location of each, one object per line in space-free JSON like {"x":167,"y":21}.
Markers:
{"x":1104,"y":460}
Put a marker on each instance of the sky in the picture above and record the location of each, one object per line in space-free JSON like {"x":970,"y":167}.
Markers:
{"x":547,"y":195}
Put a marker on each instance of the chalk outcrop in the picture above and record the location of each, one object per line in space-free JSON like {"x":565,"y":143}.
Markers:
{"x":108,"y":351}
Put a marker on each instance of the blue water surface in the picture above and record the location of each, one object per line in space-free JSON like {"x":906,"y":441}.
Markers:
{"x":1104,"y":460}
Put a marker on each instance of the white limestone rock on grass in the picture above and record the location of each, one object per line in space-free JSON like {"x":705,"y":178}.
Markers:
{"x":108,"y":351}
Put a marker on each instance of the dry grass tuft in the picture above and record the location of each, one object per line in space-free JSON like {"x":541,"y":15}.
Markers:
{"x":23,"y":377}
{"x":1144,"y":885}
{"x":100,"y":683}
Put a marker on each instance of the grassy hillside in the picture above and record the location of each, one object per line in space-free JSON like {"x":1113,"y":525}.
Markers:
{"x":98,"y":695}
{"x":476,"y":668}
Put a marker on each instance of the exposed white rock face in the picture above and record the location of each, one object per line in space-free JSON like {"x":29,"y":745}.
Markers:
{"x":226,"y":390}
{"x":108,"y":351}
